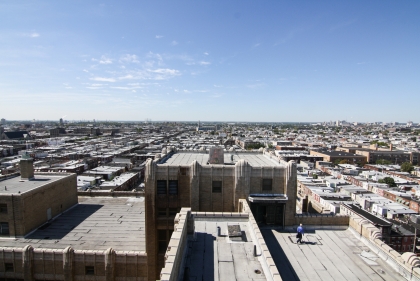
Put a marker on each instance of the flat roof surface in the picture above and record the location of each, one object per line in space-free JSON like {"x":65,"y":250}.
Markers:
{"x":254,"y":159}
{"x":16,"y":184}
{"x":96,"y":223}
{"x":325,"y":255}
{"x":212,"y":257}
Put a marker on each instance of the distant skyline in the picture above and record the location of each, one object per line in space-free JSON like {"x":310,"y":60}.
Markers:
{"x":239,"y":61}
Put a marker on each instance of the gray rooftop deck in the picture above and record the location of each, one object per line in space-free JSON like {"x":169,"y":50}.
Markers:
{"x":217,"y":258}
{"x":325,"y":255}
{"x":16,"y":185}
{"x":94,"y":224}
{"x":254,"y":159}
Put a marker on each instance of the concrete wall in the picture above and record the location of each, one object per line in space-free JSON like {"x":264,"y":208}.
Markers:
{"x":67,"y":264}
{"x":321,"y":220}
{"x":174,"y":257}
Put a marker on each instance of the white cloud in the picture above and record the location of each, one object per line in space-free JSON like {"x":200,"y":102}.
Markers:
{"x":174,"y":43}
{"x":129,"y":58}
{"x":256,"y":45}
{"x":165,"y":71}
{"x":84,"y":70}
{"x":204,"y":63}
{"x":103,"y":79}
{"x":206,"y":53}
{"x":34,"y":35}
{"x":128,"y":76}
{"x":158,"y":36}
{"x":103,"y":60}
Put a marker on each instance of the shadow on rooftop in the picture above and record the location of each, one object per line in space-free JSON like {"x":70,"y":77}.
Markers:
{"x":200,"y":258}
{"x":283,"y":264}
{"x":65,"y":223}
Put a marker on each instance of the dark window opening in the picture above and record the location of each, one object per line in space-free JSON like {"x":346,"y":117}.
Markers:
{"x":173,"y":187}
{"x":3,"y":208}
{"x":161,"y":186}
{"x":267,"y":184}
{"x":4,"y":228}
{"x":89,"y":270}
{"x":173,"y":211}
{"x":8,"y":267}
{"x":217,"y":186}
{"x":163,"y":240}
{"x":161,"y":212}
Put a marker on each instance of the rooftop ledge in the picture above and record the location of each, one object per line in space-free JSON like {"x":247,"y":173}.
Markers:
{"x":267,"y":198}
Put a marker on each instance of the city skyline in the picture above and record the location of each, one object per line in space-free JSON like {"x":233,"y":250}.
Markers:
{"x":237,"y":61}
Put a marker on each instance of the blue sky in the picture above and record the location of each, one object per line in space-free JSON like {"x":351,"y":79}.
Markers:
{"x":210,"y":60}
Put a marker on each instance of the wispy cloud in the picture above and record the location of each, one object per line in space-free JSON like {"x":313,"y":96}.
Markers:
{"x":127,"y":58}
{"x":158,"y":36}
{"x":206,"y":53}
{"x":34,"y":35}
{"x":103,"y":79}
{"x":174,"y":43}
{"x":105,"y":60}
{"x":204,"y":63}
{"x":361,"y":62}
{"x":256,"y":45}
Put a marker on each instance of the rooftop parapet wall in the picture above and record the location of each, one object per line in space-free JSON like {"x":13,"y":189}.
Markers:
{"x":96,"y":193}
{"x":321,"y":220}
{"x":261,"y":247}
{"x":175,"y":253}
{"x":407,"y":264}
{"x":68,"y":264}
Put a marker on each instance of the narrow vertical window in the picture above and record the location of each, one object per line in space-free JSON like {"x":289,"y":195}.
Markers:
{"x":173,"y":187}
{"x":161,"y":186}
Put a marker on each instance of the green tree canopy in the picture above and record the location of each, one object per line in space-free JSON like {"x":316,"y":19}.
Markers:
{"x":407,"y":167}
{"x":389,"y":181}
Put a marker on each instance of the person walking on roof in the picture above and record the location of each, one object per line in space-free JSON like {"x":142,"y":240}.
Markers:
{"x":299,"y":234}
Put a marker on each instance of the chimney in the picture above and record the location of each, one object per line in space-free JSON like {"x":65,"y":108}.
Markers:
{"x":26,"y":167}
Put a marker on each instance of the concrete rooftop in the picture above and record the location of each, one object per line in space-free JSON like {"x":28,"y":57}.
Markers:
{"x":96,"y":223}
{"x":325,"y":255}
{"x":213,"y":257}
{"x":254,"y":159}
{"x":16,"y":185}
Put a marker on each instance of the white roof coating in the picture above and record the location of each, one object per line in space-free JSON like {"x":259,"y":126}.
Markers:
{"x":254,"y":159}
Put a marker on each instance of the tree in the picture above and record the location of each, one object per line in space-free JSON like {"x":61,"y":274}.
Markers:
{"x":389,"y":181}
{"x":407,"y":167}
{"x":344,"y":161}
